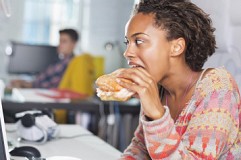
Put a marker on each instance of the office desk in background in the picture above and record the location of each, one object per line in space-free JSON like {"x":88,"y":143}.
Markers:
{"x":76,"y":142}
{"x":92,"y":104}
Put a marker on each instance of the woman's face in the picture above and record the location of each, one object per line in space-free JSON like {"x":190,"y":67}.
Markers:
{"x":147,"y":46}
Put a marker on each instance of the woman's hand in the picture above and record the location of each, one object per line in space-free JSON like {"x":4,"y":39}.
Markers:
{"x":146,"y":90}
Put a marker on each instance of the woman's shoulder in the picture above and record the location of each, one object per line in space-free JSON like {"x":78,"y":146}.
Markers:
{"x":217,"y":74}
{"x":215,"y":79}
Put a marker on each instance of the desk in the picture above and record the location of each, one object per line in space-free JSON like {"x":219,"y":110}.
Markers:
{"x":26,"y":99}
{"x":89,"y":105}
{"x":86,"y":147}
{"x":97,"y":109}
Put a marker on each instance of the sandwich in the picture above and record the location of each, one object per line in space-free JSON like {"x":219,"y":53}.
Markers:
{"x":109,"y":90}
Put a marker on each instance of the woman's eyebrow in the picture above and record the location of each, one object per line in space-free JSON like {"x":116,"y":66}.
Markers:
{"x":136,"y":34}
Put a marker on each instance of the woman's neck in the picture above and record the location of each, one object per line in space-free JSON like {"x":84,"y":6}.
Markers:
{"x":179,"y":88}
{"x":180,"y":82}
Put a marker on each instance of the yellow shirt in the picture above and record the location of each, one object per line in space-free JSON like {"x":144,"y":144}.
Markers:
{"x":79,"y":75}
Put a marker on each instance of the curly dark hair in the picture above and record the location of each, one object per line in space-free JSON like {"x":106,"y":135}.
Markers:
{"x":181,"y":18}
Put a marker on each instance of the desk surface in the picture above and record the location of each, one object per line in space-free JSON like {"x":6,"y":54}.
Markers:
{"x":78,"y":142}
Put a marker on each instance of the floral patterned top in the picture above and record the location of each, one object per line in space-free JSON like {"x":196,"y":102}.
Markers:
{"x":207,"y":128}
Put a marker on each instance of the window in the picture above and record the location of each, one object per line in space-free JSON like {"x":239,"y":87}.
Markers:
{"x":44,"y":18}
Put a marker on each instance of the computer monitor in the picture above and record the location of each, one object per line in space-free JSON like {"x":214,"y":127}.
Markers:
{"x":4,"y":154}
{"x":30,"y":59}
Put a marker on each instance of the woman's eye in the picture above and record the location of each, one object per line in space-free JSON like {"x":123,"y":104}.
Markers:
{"x":126,"y":42}
{"x":138,"y":41}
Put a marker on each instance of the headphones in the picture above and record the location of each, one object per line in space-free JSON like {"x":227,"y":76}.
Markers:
{"x":36,"y":126}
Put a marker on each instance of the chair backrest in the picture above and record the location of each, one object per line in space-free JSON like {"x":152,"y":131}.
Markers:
{"x":79,"y":75}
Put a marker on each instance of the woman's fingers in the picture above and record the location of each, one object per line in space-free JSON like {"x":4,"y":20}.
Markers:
{"x":130,"y":86}
{"x":141,"y":90}
{"x":143,"y":83}
{"x":145,"y":88}
{"x":137,"y":75}
{"x":136,"y":96}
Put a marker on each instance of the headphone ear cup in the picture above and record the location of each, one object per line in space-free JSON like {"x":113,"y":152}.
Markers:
{"x":30,"y":123}
{"x":28,"y":120}
{"x":39,"y":124}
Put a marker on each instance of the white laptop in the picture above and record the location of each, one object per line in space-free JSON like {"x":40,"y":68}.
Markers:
{"x":4,"y":154}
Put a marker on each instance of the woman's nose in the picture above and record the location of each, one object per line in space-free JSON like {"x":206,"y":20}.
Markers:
{"x":129,"y":53}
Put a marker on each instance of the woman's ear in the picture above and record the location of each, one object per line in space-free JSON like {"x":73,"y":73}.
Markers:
{"x":178,"y":46}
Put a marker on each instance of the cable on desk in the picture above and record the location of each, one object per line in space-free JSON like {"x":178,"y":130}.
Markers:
{"x":75,"y":136}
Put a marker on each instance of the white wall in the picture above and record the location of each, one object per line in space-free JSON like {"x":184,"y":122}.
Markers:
{"x":226,"y":17}
{"x":104,"y":21}
{"x":10,"y":28}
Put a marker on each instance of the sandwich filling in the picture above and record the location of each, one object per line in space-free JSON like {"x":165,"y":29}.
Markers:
{"x":121,"y":95}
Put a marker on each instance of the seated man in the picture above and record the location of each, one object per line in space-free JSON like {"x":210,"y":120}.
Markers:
{"x":51,"y":77}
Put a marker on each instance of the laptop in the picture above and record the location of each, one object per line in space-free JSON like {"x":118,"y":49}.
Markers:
{"x":4,"y":154}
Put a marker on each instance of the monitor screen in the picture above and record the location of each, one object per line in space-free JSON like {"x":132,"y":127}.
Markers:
{"x":30,"y":59}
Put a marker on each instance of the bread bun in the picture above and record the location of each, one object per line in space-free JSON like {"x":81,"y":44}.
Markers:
{"x":109,"y":90}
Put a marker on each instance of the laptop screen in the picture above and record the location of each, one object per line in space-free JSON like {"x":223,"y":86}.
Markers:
{"x":4,"y":155}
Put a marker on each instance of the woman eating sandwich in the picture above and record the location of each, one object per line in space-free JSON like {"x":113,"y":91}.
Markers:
{"x":187,"y":111}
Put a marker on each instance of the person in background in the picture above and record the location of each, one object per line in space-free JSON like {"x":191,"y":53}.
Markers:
{"x":187,"y":112}
{"x":51,"y":77}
